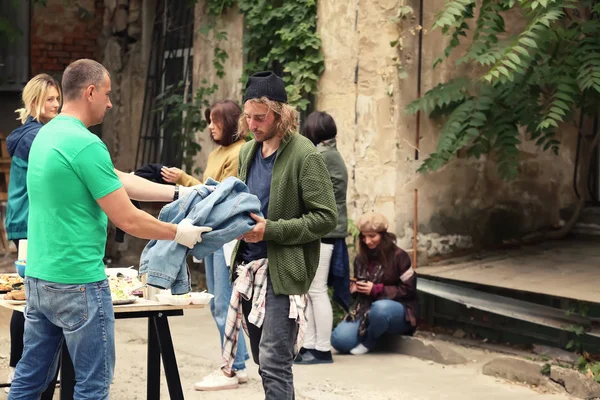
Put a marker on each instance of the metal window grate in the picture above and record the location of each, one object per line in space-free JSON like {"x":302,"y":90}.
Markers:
{"x":170,"y":62}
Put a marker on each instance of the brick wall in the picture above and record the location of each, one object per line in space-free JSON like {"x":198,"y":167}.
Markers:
{"x":61,"y":34}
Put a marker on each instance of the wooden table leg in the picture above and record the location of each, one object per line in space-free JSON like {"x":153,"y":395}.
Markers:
{"x":168,"y":357}
{"x":153,"y":368}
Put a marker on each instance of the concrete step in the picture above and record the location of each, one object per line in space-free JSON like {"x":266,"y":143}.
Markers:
{"x":589,"y":222}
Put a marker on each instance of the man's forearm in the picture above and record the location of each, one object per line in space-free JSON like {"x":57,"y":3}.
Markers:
{"x":145,"y":226}
{"x":144,"y":190}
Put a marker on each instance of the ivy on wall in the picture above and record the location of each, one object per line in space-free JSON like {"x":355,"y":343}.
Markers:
{"x":281,"y":35}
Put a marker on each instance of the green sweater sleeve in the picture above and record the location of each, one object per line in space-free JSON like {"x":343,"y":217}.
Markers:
{"x":319,"y":202}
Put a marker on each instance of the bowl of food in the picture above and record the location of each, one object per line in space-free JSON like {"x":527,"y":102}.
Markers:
{"x":20,"y":266}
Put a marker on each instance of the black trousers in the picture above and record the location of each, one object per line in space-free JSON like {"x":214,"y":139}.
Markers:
{"x":17,"y":329}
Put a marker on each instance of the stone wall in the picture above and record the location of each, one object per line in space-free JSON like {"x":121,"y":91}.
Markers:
{"x":62,"y":32}
{"x":125,"y":47}
{"x":229,"y":86}
{"x":463,"y":205}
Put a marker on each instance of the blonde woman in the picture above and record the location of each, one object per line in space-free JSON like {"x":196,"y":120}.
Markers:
{"x":41,"y":101}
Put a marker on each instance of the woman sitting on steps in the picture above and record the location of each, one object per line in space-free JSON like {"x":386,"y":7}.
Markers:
{"x":384,"y":290}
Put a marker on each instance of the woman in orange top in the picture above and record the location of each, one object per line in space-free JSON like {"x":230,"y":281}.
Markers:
{"x":223,"y":162}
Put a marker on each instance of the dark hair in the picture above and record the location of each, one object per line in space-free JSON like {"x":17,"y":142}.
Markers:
{"x":319,"y":126}
{"x":384,"y":253}
{"x":226,"y":113}
{"x":81,"y":74}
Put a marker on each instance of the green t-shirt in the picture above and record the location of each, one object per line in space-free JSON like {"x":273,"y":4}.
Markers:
{"x":69,"y":169}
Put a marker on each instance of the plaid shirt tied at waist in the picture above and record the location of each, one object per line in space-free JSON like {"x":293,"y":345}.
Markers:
{"x":251,"y":285}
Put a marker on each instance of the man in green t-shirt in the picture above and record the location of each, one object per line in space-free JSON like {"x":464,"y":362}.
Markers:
{"x":73,"y":191}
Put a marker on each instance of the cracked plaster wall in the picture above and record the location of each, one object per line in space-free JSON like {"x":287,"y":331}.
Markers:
{"x":463,"y":205}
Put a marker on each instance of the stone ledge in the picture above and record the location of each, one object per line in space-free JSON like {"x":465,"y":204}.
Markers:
{"x":560,"y":379}
{"x":438,"y":352}
{"x":575,"y":383}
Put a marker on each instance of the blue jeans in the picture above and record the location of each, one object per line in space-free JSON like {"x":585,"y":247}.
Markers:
{"x":273,"y":345}
{"x":83,"y":314}
{"x":385,"y":316}
{"x":218,"y":283}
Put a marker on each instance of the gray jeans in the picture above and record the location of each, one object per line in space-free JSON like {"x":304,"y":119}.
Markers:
{"x":273,"y":345}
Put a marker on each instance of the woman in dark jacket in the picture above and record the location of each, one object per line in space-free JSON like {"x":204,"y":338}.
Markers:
{"x":334,"y":267}
{"x":41,"y":101}
{"x":384,"y":289}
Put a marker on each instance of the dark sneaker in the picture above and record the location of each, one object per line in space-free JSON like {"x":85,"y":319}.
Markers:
{"x":314,"y":357}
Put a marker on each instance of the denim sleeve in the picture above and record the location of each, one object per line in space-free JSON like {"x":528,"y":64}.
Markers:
{"x":318,"y":200}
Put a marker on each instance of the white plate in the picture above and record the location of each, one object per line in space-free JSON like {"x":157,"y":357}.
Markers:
{"x":124,"y":301}
{"x":201,"y":298}
{"x":16,"y":302}
{"x":164,"y":298}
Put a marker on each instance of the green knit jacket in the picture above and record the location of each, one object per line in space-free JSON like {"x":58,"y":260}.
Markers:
{"x":301,"y":211}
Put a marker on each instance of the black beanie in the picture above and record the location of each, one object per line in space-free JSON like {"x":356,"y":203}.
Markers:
{"x":265,"y":84}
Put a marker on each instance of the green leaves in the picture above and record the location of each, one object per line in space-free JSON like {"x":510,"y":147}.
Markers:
{"x":452,"y":15}
{"x":532,"y":80}
{"x":440,"y":97}
{"x":559,"y":107}
{"x":588,"y":55}
{"x":515,"y":57}
{"x":283,"y":38}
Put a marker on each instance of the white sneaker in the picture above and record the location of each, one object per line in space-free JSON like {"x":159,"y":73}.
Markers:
{"x":217,"y":381}
{"x":359,"y":350}
{"x":242,"y":376}
{"x":11,"y":376}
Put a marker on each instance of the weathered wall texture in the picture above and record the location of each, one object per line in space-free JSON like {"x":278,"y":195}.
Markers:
{"x":62,"y":32}
{"x":465,"y":203}
{"x":125,"y":44}
{"x":125,"y":47}
{"x":230,"y":87}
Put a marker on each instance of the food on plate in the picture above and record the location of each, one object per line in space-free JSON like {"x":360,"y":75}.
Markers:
{"x":122,"y":287}
{"x":165,"y":297}
{"x":7,"y":281}
{"x":15,"y":295}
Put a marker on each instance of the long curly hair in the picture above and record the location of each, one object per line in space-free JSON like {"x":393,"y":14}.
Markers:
{"x":287,"y":118}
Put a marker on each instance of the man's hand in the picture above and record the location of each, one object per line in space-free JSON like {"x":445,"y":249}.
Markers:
{"x":353,"y":288}
{"x":171,"y":174}
{"x":364,"y":287}
{"x":188,"y":234}
{"x":258,"y":232}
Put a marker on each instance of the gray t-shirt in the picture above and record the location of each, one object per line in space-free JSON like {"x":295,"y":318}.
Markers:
{"x":259,"y":184}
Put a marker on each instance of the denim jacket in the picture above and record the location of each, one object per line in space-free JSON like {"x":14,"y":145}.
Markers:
{"x":224,"y":207}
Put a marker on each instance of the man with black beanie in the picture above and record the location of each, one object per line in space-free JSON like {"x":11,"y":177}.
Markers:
{"x":276,"y":262}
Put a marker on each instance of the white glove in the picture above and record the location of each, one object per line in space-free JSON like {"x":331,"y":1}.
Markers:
{"x":188,"y":234}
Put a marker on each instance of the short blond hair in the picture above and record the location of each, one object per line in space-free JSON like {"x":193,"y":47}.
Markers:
{"x":34,"y":96}
{"x":287,"y":118}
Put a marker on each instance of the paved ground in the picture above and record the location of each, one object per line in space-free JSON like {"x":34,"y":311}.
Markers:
{"x":381,"y":376}
{"x":565,"y":268}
